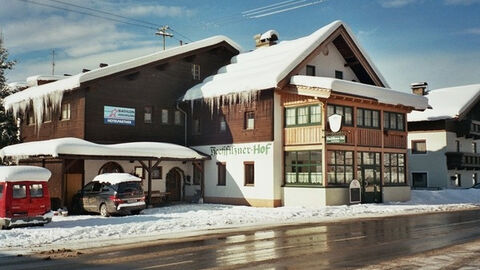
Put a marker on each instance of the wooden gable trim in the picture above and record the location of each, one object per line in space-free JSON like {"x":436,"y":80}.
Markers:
{"x":339,"y":31}
{"x":468,"y":109}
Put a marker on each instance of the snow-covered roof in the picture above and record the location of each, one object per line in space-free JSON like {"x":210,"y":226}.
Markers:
{"x":75,"y":146}
{"x":23,"y":173}
{"x":447,"y":103}
{"x":382,"y":95}
{"x":33,"y":80}
{"x":265,"y":67}
{"x":115,"y":178}
{"x":18,"y":85}
{"x":53,"y":92}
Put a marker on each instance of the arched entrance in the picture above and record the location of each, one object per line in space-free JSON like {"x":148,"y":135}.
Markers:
{"x":110,"y":167}
{"x":174,"y":185}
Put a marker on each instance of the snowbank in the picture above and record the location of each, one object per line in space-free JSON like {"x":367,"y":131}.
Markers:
{"x":172,"y":221}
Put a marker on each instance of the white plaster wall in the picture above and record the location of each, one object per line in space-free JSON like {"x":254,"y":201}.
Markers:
{"x":325,"y":65}
{"x":434,"y":162}
{"x":235,"y":187}
{"x":396,"y":194}
{"x":304,"y":197}
{"x":92,"y":168}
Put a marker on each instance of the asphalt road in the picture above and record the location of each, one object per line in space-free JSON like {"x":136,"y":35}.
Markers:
{"x":349,"y":244}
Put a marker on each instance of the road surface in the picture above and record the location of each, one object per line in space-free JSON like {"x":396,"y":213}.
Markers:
{"x":348,"y":244}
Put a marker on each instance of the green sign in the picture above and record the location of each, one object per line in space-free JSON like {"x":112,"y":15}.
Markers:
{"x":340,"y":138}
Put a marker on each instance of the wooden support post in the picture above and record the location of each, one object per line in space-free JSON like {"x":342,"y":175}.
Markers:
{"x":64,"y":183}
{"x":149,"y":194}
{"x":202,"y":183}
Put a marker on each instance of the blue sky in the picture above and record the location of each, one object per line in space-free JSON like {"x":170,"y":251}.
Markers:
{"x":437,"y":41}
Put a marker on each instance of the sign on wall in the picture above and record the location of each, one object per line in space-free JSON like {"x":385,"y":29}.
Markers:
{"x":119,"y":115}
{"x":335,"y":139}
{"x":234,"y":150}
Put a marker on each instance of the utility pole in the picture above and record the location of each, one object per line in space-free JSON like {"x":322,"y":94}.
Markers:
{"x":162,"y":31}
{"x":53,"y":62}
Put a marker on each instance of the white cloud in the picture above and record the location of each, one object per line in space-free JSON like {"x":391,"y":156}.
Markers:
{"x":157,"y":10}
{"x":396,"y":3}
{"x":472,"y":31}
{"x":462,"y":2}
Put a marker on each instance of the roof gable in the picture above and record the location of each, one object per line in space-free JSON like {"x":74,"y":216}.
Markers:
{"x":272,"y":67}
{"x":448,"y":103}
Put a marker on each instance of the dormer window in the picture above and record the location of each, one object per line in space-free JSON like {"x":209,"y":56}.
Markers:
{"x":339,"y":74}
{"x":310,"y":70}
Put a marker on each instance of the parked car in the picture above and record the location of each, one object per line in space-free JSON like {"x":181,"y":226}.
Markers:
{"x":24,"y":197}
{"x":111,"y":193}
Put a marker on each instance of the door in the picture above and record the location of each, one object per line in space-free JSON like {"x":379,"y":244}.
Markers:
{"x":368,"y":173}
{"x":38,"y":198}
{"x":74,"y":184}
{"x":173,"y":185}
{"x":20,"y":201}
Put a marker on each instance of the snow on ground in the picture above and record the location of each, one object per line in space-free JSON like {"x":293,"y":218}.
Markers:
{"x":189,"y":219}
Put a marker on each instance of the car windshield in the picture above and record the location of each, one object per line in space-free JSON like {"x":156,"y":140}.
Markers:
{"x":125,"y":187}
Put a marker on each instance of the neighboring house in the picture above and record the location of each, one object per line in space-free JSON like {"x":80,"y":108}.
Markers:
{"x":131,"y":101}
{"x":264,"y":119}
{"x":444,"y":141}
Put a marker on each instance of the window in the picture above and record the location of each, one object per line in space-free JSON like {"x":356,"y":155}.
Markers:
{"x":458,"y":180}
{"x":393,"y":168}
{"x":303,"y":167}
{"x":29,"y":117}
{"x":47,"y":116}
{"x":345,"y":112}
{"x":164,"y":116}
{"x":419,"y":147}
{"x":339,"y":167}
{"x":196,"y":71}
{"x":222,"y":173}
{"x":310,"y":70}
{"x":394,"y":121}
{"x":249,"y":173}
{"x":197,"y":175}
{"x":474,"y":147}
{"x":178,"y":118}
{"x":147,"y":116}
{"x":419,"y":179}
{"x":111,"y":167}
{"x":65,"y":112}
{"x":249,"y":120}
{"x":339,"y":74}
{"x":457,"y":145}
{"x":1,"y":191}
{"x":302,"y":116}
{"x":36,"y":190}
{"x":222,"y":125}
{"x":368,"y":118}
{"x":19,"y":191}
{"x":474,"y":180}
{"x":196,"y":127}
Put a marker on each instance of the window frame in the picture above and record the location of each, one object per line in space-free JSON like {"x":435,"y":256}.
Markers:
{"x":338,"y":165}
{"x":147,"y":110}
{"x":419,"y":173}
{"x":363,"y":116}
{"x":47,"y":112}
{"x":246,"y":174}
{"x":222,"y":124}
{"x":196,"y":73}
{"x":339,"y":74}
{"x":387,"y":169}
{"x":308,"y":115}
{"x":1,"y":190}
{"x":399,"y":118}
{"x":295,"y":167}
{"x":165,"y":120}
{"x":196,"y":126}
{"x":68,"y":112}
{"x":474,"y":147}
{"x":311,"y":68}
{"x":416,"y":152}
{"x":197,"y":176}
{"x":13,"y":191}
{"x":30,"y":191}
{"x":177,"y":118}
{"x":246,"y":124}
{"x":221,"y":173}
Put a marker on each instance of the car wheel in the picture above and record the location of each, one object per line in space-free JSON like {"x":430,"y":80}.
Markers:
{"x":103,"y":210}
{"x":76,"y":208}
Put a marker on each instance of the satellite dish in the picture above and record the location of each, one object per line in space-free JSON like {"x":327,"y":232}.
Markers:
{"x":335,"y":122}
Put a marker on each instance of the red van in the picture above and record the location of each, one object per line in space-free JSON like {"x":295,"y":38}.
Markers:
{"x":24,"y":198}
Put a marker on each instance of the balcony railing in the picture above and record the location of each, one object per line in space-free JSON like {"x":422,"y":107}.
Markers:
{"x":461,"y":161}
{"x":469,"y":128}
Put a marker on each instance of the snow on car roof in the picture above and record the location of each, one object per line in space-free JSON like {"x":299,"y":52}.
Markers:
{"x":24,"y":173}
{"x":383,"y":95}
{"x":448,"y":103}
{"x":116,"y":178}
{"x":265,"y":67}
{"x":76,"y":146}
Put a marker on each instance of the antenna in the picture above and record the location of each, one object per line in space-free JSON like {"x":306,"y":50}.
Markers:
{"x":162,"y":31}
{"x":53,"y":61}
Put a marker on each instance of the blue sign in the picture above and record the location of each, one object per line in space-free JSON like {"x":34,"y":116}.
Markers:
{"x":119,"y":116}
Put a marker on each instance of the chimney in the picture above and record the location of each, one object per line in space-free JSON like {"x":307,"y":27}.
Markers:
{"x":266,"y":39}
{"x":85,"y":70}
{"x":103,"y":65}
{"x":419,"y":88}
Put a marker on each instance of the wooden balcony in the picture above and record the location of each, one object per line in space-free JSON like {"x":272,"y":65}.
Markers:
{"x":369,"y":137}
{"x":303,"y":135}
{"x":395,"y":139}
{"x":461,"y":161}
{"x":469,"y":128}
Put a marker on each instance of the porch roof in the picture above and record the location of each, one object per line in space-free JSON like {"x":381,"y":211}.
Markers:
{"x":65,"y":147}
